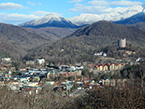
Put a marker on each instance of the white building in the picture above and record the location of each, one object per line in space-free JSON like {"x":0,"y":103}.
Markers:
{"x":72,"y":68}
{"x":40,"y":61}
{"x":6,"y":59}
{"x":122,"y":43}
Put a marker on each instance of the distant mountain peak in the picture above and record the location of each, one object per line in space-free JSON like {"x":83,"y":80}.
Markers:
{"x":119,"y":14}
{"x":52,"y":17}
{"x":55,"y":20}
{"x":50,"y":20}
{"x":139,"y":17}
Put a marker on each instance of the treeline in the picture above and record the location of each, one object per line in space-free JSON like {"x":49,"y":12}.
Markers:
{"x":128,"y":97}
{"x":134,"y":72}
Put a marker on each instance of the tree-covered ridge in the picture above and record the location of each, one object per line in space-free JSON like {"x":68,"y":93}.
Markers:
{"x":82,"y":44}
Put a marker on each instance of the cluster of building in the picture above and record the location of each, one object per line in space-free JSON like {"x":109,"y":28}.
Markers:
{"x":115,"y":82}
{"x":37,"y":75}
{"x":30,"y":81}
{"x":108,"y":67}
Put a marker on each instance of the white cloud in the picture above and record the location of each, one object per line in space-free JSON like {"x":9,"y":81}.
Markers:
{"x":125,"y":3}
{"x":117,"y":3}
{"x":34,"y":4}
{"x":99,"y":2}
{"x":16,"y":18}
{"x":43,"y":13}
{"x":90,"y":9}
{"x":76,"y":1}
{"x":10,"y":6}
{"x":31,"y":3}
{"x":103,"y":6}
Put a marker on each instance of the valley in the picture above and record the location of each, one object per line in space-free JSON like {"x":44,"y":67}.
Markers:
{"x":53,"y":62}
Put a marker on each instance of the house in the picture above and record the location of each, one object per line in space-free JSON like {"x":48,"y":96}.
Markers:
{"x":101,"y":54}
{"x":105,"y":67}
{"x":36,"y":78}
{"x":79,"y":67}
{"x":23,"y":79}
{"x":31,"y":90}
{"x":102,"y":67}
{"x":99,"y":68}
{"x":7,"y":60}
{"x":106,"y":82}
{"x":75,"y":72}
{"x":3,"y":68}
{"x":51,"y":74}
{"x":13,"y":69}
{"x":50,"y":82}
{"x":98,"y":54}
{"x":7,"y":75}
{"x":116,"y":66}
{"x":40,"y":61}
{"x":115,"y":82}
{"x":22,"y":69}
{"x":30,"y":63}
{"x":121,"y":66}
{"x":63,"y":67}
{"x":111,"y":67}
{"x":71,"y":68}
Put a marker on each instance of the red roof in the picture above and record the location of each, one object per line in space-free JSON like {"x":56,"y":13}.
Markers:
{"x":103,"y":65}
{"x":98,"y":65}
{"x":91,"y":66}
{"x":122,"y":64}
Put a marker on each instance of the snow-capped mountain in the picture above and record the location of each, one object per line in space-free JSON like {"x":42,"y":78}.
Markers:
{"x":54,"y":20}
{"x":140,"y":17}
{"x":50,"y":20}
{"x":116,"y":15}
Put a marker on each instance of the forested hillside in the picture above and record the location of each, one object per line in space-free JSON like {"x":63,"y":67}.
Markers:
{"x":17,"y":41}
{"x":82,"y":44}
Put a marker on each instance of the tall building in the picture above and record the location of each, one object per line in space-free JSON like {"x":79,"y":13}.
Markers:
{"x":122,"y":43}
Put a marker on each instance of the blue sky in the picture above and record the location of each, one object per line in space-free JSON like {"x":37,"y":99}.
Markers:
{"x":20,"y":11}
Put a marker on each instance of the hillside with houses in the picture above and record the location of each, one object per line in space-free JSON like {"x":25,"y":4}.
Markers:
{"x":37,"y":79}
{"x":93,"y":63}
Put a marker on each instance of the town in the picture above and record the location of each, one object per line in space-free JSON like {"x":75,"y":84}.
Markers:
{"x":65,"y":80}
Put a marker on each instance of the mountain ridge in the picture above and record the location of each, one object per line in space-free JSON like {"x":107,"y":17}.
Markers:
{"x":113,"y":16}
{"x":139,"y":17}
{"x":16,"y":41}
{"x":49,"y":20}
{"x":83,"y":43}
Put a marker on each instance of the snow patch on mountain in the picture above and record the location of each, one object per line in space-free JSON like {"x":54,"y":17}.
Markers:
{"x":48,"y":18}
{"x":115,"y":15}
